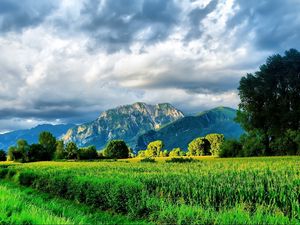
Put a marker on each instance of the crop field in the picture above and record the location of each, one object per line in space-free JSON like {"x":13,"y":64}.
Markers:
{"x":206,"y":191}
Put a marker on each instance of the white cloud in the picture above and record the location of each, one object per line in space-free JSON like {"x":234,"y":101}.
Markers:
{"x":74,"y":63}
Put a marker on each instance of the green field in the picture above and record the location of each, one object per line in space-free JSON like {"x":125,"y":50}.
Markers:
{"x":208,"y":191}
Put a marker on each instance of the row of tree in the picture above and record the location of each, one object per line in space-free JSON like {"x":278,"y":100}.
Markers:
{"x":208,"y":145}
{"x":48,"y":148}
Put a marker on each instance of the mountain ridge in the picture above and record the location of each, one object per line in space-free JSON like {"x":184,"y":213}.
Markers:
{"x":31,"y":135}
{"x":179,"y":133}
{"x":125,"y":122}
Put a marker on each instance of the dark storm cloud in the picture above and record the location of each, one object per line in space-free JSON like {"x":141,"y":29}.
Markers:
{"x":115,"y":25}
{"x":16,"y":15}
{"x":65,"y":67}
{"x":275,"y":24}
{"x":195,"y":18}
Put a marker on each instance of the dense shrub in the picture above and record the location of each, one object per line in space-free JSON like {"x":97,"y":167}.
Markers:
{"x":71,"y":151}
{"x":2,"y":155}
{"x":148,"y":160}
{"x":87,"y":153}
{"x":180,"y":160}
{"x":230,"y":148}
{"x":215,"y":141}
{"x":37,"y":153}
{"x":176,"y":152}
{"x":120,"y":195}
{"x":116,"y":149}
{"x":253,"y":145}
{"x":287,"y":144}
{"x":198,"y":147}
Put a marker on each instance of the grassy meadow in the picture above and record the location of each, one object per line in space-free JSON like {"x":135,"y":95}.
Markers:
{"x":264,"y":190}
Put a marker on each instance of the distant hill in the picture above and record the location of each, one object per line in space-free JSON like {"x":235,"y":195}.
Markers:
{"x":184,"y":130}
{"x":31,"y":135}
{"x":124,"y":122}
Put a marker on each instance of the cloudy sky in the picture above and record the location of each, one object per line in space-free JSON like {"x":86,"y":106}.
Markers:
{"x":68,"y":60}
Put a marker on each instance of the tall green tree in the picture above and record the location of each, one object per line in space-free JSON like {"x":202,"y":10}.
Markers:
{"x":71,"y":151}
{"x":36,"y":153}
{"x":48,"y":141}
{"x":270,"y":98}
{"x":60,"y":152}
{"x":215,"y":141}
{"x":198,"y":147}
{"x":116,"y":149}
{"x":154,"y":148}
{"x":86,"y":153}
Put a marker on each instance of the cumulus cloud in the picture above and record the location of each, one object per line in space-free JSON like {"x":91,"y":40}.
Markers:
{"x":66,"y":61}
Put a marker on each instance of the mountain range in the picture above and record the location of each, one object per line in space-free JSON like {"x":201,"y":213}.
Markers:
{"x":125,"y":122}
{"x":137,"y":124}
{"x":184,"y":130}
{"x":32,"y":135}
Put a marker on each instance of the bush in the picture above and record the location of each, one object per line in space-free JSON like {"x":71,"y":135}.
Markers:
{"x":230,"y":148}
{"x":180,"y":160}
{"x":71,"y":151}
{"x":154,"y":149}
{"x":148,"y":160}
{"x":3,"y":172}
{"x":37,"y":153}
{"x":116,"y":149}
{"x":87,"y":153}
{"x":198,"y":147}
{"x":215,"y":141}
{"x":253,"y":145}
{"x":176,"y":152}
{"x":287,"y":144}
{"x":2,"y":155}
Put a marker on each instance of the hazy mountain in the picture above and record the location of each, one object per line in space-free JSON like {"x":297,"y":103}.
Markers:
{"x":184,"y":130}
{"x":31,"y":135}
{"x":125,"y":122}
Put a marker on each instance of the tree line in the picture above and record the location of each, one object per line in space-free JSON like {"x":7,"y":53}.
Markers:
{"x":48,"y":148}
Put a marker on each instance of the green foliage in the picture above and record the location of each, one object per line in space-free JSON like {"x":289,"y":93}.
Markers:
{"x":87,"y":153}
{"x":253,"y":144}
{"x":215,"y":141}
{"x":180,"y":160}
{"x":71,"y":151}
{"x":270,"y":101}
{"x":36,"y":153}
{"x":230,"y":148}
{"x":142,"y":153}
{"x":60,"y":152}
{"x":21,"y":205}
{"x":287,"y":144}
{"x":19,"y":153}
{"x":148,"y":160}
{"x":2,"y":155}
{"x":245,"y":190}
{"x":154,"y":149}
{"x":48,"y":141}
{"x":116,"y":149}
{"x":198,"y":147}
{"x":176,"y":152}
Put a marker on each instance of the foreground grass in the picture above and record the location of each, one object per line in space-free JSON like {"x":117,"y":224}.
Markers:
{"x":19,"y":205}
{"x":263,"y":190}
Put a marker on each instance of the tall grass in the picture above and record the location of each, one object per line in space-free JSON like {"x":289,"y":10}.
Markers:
{"x":212,"y":190}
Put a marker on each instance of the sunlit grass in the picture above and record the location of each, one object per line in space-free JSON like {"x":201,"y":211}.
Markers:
{"x":207,"y":190}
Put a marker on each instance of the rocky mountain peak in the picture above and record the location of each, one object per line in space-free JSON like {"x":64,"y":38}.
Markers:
{"x":125,"y":122}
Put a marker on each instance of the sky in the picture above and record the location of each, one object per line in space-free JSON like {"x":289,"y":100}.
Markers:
{"x":65,"y":61}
